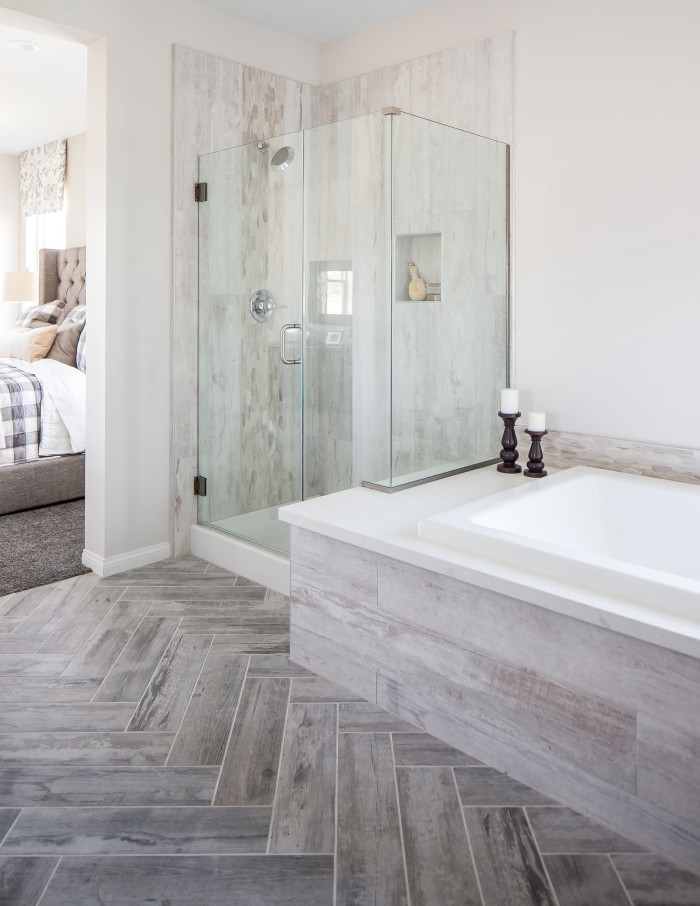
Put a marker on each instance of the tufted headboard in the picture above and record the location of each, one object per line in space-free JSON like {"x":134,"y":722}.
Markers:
{"x":62,"y":276}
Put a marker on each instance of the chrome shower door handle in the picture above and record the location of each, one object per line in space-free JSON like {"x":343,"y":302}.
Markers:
{"x":283,"y":344}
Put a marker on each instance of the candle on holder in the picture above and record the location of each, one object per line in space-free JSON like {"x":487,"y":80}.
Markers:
{"x":509,"y":401}
{"x":535,"y":421}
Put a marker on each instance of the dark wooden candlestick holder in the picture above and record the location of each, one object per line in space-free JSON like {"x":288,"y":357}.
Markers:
{"x":535,"y":466}
{"x":509,"y":453}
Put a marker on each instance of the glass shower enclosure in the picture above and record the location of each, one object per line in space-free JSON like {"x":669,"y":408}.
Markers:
{"x":353,"y":314}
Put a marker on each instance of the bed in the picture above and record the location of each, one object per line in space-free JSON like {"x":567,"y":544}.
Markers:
{"x":42,"y":403}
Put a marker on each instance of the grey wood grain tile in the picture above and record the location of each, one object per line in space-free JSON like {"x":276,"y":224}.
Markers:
{"x":318,"y":689}
{"x":205,"y":728}
{"x":585,"y":880}
{"x":331,"y":657}
{"x":423,"y":749}
{"x":652,"y":881}
{"x":354,"y":575}
{"x":190,"y":880}
{"x":438,"y":858}
{"x":562,"y":830}
{"x":233,"y":639}
{"x":509,"y":867}
{"x":369,"y":859}
{"x":304,"y":811}
{"x":98,"y":654}
{"x":276,"y":597}
{"x":47,"y":689}
{"x":116,"y":786}
{"x":24,"y":878}
{"x":362,"y":717}
{"x":249,"y":770}
{"x":628,"y":814}
{"x":165,"y":830}
{"x":275,"y":665}
{"x":148,"y":578}
{"x":647,"y":678}
{"x":64,"y":717}
{"x":168,"y":694}
{"x":33,"y":664}
{"x":80,"y":748}
{"x":135,"y":665}
{"x":246,"y":613}
{"x":558,"y":718}
{"x":73,"y":631}
{"x":20,"y":644}
{"x":8,"y":816}
{"x":667,"y":766}
{"x":60,"y":601}
{"x":487,"y":786}
{"x":194,"y":594}
{"x":9,"y":624}
{"x":20,"y":604}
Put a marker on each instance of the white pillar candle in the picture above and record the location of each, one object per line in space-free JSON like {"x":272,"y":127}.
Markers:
{"x":509,"y":401}
{"x":535,"y":421}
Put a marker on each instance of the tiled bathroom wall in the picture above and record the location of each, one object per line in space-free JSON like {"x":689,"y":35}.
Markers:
{"x":221,"y":104}
{"x":564,"y":449}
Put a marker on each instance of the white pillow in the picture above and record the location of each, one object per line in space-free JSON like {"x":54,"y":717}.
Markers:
{"x":27,"y":343}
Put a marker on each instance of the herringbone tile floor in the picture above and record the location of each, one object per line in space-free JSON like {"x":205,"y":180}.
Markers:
{"x":157,"y":746}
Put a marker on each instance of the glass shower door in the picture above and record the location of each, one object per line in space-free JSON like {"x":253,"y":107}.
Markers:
{"x":250,"y":311}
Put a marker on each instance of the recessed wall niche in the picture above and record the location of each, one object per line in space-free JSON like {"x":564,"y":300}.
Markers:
{"x":425,"y":251}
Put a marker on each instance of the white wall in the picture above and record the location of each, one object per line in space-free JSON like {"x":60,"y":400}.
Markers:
{"x":9,"y":229}
{"x":76,"y":173}
{"x":607,"y":195}
{"x":129,"y":237}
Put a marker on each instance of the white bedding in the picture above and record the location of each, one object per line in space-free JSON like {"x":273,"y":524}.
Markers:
{"x":62,"y":406}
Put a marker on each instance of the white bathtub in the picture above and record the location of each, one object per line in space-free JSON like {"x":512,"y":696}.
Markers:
{"x":625,"y":536}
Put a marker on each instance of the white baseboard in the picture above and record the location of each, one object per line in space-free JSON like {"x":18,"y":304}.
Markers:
{"x":111,"y":566}
{"x":245,"y":559}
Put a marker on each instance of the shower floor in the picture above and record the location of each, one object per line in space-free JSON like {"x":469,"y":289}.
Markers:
{"x":260,"y":527}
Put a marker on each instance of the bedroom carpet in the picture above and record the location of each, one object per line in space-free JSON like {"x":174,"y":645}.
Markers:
{"x":41,"y":546}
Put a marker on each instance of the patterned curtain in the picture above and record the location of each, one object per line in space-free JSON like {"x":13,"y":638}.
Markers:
{"x":42,"y":173}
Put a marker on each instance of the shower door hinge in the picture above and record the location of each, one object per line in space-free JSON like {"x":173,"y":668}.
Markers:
{"x":200,"y":486}
{"x":200,"y":191}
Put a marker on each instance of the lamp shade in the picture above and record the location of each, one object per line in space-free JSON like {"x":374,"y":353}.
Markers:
{"x":20,"y":286}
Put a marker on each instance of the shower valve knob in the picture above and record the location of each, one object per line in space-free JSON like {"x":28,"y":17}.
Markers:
{"x":263,"y":305}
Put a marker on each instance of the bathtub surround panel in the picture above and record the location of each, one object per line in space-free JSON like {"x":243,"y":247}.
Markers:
{"x":563,"y":449}
{"x":221,"y":104}
{"x":602,"y":721}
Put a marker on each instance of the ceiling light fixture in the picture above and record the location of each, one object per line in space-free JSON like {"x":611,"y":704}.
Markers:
{"x":22,"y":46}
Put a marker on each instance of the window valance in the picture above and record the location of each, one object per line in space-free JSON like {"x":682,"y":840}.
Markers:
{"x":42,"y":174}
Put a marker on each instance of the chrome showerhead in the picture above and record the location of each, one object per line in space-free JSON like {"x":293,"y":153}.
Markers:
{"x":282,"y":158}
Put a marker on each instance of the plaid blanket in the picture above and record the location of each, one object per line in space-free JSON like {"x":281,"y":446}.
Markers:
{"x":20,"y":409}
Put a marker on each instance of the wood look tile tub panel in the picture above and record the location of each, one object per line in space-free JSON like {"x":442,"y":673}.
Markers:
{"x":585,"y":715}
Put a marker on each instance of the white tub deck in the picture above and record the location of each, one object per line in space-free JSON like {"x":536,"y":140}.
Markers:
{"x":652,"y":599}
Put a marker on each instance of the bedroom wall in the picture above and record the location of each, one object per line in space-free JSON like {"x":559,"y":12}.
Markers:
{"x":606,"y":199}
{"x":9,"y":229}
{"x":76,"y":201}
{"x":129,"y":240}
